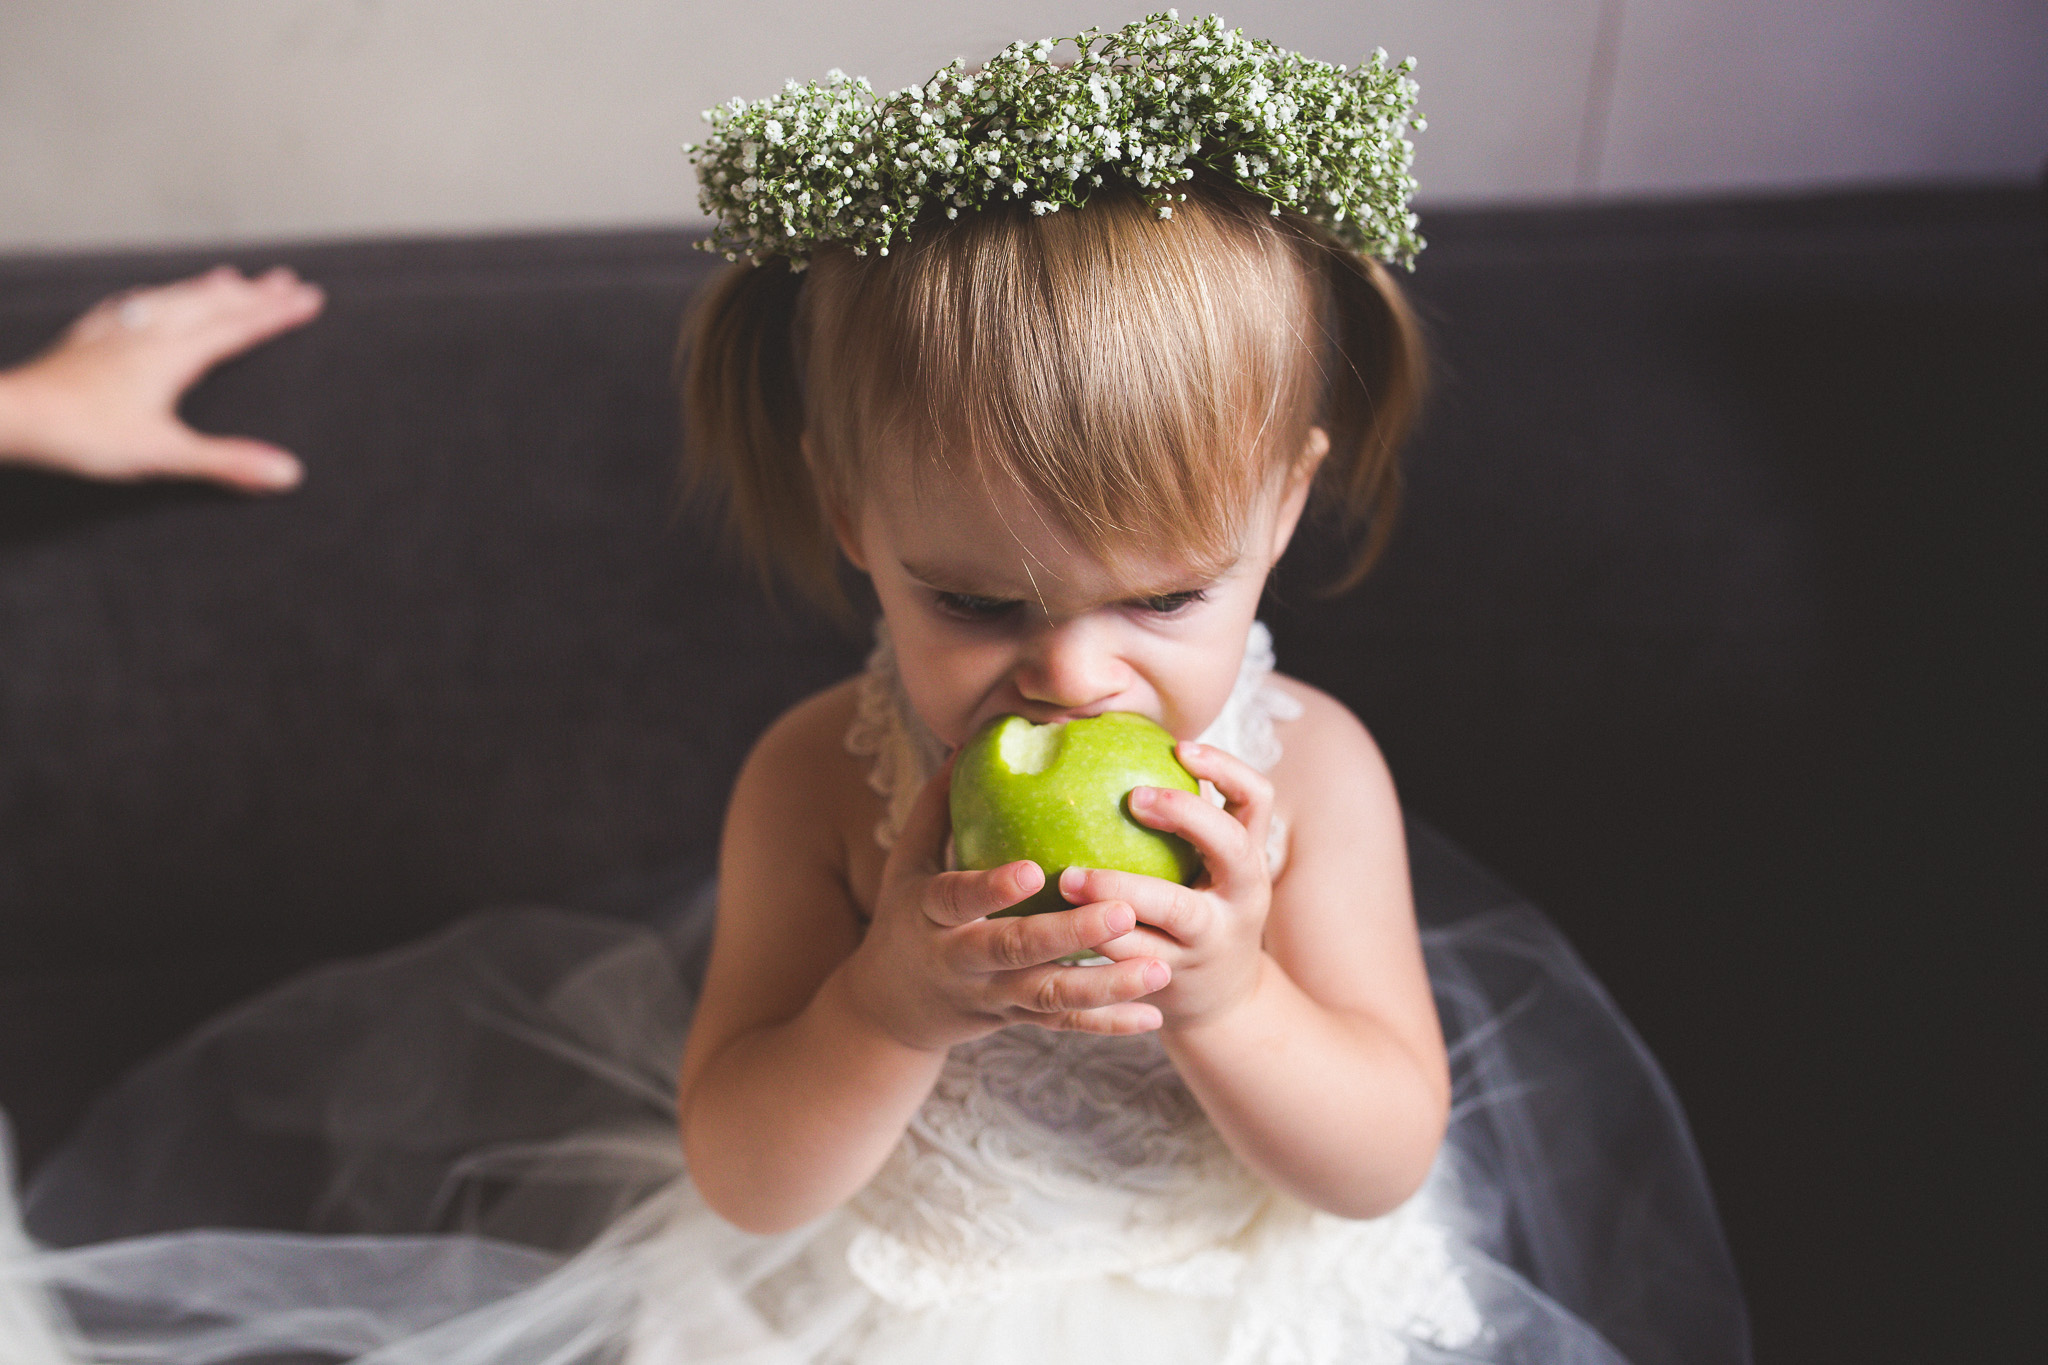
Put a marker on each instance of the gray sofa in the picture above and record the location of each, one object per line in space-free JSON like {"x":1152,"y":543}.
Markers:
{"x":1701,"y":628}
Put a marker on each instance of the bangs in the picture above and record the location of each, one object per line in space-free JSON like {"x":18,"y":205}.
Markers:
{"x":1145,"y":380}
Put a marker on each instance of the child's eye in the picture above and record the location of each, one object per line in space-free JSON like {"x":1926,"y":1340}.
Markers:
{"x":1167,"y":604}
{"x":968,"y":607}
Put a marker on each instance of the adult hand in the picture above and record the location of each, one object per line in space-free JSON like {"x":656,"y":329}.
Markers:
{"x":103,"y":402}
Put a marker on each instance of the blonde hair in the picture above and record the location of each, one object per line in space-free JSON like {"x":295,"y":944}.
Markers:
{"x":1145,"y":379}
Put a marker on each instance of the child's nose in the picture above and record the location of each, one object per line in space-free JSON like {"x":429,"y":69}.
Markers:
{"x":1072,"y":666}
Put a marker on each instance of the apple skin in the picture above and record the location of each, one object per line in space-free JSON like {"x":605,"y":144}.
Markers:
{"x":1072,"y":813}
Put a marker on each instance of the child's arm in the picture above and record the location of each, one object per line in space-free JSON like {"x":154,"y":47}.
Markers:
{"x":815,"y":1042}
{"x":1304,"y":1024}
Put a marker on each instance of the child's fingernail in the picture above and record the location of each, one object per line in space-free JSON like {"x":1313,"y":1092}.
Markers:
{"x":1072,"y":880}
{"x":1143,"y":797}
{"x":1121,"y":920}
{"x":1156,"y":975}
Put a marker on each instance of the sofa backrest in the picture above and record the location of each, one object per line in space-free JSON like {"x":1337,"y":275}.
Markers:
{"x":1620,"y":643}
{"x":481,"y":656}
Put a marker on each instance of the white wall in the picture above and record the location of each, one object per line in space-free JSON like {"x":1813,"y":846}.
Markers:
{"x":159,"y":121}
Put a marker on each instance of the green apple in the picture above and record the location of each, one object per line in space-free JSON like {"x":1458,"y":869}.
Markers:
{"x":1056,"y":794}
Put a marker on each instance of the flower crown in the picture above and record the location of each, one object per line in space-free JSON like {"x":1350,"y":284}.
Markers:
{"x":1148,"y":104}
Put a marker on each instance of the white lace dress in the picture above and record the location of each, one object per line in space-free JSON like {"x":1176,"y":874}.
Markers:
{"x":479,"y":1168}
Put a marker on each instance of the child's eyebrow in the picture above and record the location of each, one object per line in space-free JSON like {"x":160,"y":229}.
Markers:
{"x":942,"y":579}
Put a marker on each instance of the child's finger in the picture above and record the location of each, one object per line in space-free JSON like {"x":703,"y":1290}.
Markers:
{"x":1030,"y":940}
{"x":1247,"y":793}
{"x":955,"y":898}
{"x":1180,"y":912}
{"x":1229,"y":852}
{"x":1134,"y":1016}
{"x":1059,"y":991}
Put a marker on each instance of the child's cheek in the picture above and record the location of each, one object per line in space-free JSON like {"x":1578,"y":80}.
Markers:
{"x":942,"y":702}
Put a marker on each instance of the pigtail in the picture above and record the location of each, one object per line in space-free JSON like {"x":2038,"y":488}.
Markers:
{"x":743,"y":429}
{"x":1376,"y":379}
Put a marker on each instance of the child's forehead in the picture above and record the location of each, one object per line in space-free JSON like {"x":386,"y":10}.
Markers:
{"x":989,"y":536}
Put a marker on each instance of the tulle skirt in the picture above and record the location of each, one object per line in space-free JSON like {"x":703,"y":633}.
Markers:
{"x":464,"y":1153}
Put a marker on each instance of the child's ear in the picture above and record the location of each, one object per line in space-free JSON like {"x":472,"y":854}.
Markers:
{"x":844,"y":529}
{"x":1294,"y":497}
{"x":849,"y":539}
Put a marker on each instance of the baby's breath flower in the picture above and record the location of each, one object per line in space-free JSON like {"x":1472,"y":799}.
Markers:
{"x":1147,"y":104}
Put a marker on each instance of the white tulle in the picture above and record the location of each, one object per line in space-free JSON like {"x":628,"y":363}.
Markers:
{"x":463,"y":1153}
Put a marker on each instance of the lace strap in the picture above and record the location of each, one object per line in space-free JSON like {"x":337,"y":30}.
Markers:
{"x":902,"y":753}
{"x":1245,"y":725}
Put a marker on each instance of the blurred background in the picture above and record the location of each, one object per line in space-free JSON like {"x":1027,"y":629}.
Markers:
{"x":132,"y":122}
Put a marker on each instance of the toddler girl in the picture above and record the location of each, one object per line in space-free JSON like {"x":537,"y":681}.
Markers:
{"x":1062,"y":395}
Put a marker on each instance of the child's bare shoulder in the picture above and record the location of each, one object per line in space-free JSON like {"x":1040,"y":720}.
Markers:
{"x":1330,"y":771}
{"x":1326,"y":738}
{"x":1342,"y":916}
{"x":803,"y":757}
{"x":803,"y":796}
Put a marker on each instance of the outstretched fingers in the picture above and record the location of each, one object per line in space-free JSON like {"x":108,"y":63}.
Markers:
{"x":173,"y":333}
{"x":112,"y":383}
{"x":230,"y":314}
{"x":236,"y":461}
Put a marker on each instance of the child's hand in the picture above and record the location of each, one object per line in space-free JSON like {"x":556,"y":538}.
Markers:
{"x":1211,"y":934}
{"x":933,"y":970}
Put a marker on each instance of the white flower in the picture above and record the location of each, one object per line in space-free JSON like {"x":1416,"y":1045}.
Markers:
{"x":1149,"y":99}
